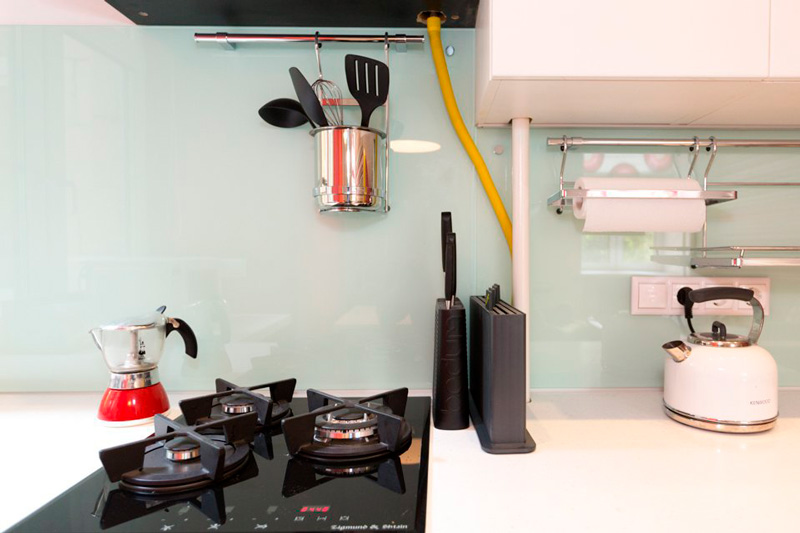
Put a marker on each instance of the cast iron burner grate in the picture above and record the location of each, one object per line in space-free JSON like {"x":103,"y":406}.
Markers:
{"x":231,"y":400}
{"x":339,"y":430}
{"x":148,"y":466}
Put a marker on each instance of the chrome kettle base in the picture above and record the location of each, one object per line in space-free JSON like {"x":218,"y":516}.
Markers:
{"x":721,"y":426}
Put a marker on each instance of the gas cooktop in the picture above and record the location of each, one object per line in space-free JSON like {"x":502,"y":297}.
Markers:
{"x":241,"y":460}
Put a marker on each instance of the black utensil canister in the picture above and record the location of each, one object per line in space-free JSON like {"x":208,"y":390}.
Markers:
{"x":450,"y":395}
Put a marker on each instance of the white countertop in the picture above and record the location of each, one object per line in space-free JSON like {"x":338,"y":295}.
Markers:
{"x":610,"y":460}
{"x":606,"y":460}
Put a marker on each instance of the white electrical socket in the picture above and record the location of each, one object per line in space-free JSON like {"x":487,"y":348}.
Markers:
{"x":658,"y":295}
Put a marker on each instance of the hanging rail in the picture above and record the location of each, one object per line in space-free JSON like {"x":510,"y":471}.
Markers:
{"x":694,"y":144}
{"x":230,"y":40}
{"x":689,"y":143}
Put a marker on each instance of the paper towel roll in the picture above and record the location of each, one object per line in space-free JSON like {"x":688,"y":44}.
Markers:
{"x":639,"y":215}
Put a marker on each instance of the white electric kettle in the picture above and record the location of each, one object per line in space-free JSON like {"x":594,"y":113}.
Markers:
{"x":720,"y":381}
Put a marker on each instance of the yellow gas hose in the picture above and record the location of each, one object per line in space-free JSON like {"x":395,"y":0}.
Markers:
{"x":434,"y":33}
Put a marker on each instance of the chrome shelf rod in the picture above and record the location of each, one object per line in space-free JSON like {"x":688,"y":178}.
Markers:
{"x":754,"y":183}
{"x":688,"y":143}
{"x":229,"y":40}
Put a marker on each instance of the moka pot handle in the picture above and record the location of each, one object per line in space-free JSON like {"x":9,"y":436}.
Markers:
{"x":186,"y":333}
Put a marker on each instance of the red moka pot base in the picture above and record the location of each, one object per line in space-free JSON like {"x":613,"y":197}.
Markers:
{"x":133,"y":404}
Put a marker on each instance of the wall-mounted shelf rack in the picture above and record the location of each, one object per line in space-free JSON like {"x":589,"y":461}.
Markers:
{"x":565,"y":197}
{"x":695,"y":257}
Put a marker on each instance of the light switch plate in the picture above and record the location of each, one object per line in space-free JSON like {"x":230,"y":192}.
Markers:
{"x":658,"y":295}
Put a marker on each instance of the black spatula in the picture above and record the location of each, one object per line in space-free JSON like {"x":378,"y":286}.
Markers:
{"x":307,"y":98}
{"x":368,"y":81}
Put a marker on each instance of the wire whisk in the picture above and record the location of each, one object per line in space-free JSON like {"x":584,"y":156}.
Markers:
{"x":328,"y":93}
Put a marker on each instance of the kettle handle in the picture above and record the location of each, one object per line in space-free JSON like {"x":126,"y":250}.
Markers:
{"x":720,"y":293}
{"x":688,"y":297}
{"x":186,"y":333}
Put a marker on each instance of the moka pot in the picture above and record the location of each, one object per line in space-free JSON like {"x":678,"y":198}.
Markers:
{"x":132,"y":349}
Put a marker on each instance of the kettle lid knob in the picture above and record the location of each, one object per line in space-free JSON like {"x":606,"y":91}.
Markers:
{"x":718,"y":331}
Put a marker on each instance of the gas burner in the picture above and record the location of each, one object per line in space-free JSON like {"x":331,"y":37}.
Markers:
{"x":237,"y":405}
{"x":180,"y":458}
{"x":182,"y":449}
{"x":348,"y":424}
{"x":232,"y":400}
{"x":338,"y":430}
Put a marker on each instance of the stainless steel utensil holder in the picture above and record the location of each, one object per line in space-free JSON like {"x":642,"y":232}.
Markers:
{"x":353,"y":163}
{"x":351,"y":173}
{"x":351,"y":169}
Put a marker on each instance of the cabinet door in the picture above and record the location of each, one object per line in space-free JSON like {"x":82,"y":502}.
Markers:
{"x":629,"y":38}
{"x":785,"y":39}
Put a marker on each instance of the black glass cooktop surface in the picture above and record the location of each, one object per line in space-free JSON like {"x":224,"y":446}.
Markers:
{"x":272,"y":492}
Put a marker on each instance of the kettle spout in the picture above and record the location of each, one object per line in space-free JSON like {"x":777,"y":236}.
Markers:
{"x":96,"y":337}
{"x":678,"y":350}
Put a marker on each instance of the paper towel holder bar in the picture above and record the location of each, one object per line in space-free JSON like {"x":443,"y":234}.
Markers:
{"x":564,"y":198}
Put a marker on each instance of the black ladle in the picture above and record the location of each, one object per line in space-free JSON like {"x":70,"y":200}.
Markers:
{"x":284,"y":113}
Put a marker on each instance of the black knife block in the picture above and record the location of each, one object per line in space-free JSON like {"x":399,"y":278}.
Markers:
{"x":497,"y":377}
{"x":450,"y":394}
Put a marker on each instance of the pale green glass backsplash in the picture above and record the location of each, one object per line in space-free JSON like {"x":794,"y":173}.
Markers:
{"x":135,"y":172}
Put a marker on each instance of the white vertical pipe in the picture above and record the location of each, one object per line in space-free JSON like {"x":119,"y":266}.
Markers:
{"x":520,"y":236}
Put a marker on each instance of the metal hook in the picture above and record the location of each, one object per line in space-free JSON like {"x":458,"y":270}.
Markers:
{"x":386,"y":128}
{"x":696,"y":149}
{"x":317,"y":46}
{"x":713,"y":149}
{"x":564,"y":150}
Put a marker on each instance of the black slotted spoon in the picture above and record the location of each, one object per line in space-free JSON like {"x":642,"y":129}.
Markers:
{"x":368,"y":81}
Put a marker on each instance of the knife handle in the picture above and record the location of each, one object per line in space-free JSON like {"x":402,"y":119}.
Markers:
{"x":450,"y":267}
{"x":447,"y":227}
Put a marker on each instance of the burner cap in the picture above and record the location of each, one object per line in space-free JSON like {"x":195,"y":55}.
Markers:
{"x":348,"y":423}
{"x":182,"y":449}
{"x":237,"y":405}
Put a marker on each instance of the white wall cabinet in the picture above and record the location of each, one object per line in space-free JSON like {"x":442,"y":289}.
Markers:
{"x":634,"y":63}
{"x":784,"y":60}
